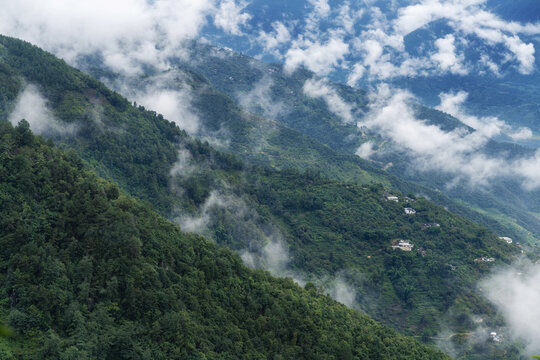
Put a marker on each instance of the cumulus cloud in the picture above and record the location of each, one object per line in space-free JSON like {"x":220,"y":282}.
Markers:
{"x":32,"y":107}
{"x":486,"y":61}
{"x":379,"y":48}
{"x":523,"y":133}
{"x":489,"y":126}
{"x":275,"y":39}
{"x":355,"y":74}
{"x":446,"y":56}
{"x":347,"y":17}
{"x":380,"y":64}
{"x":516,"y":293}
{"x":321,"y":7}
{"x":469,"y":17}
{"x":459,"y":153}
{"x":319,"y":57}
{"x":230,"y":17}
{"x":127,"y":33}
{"x":524,"y":53}
{"x":320,"y":88}
{"x":529,"y":169}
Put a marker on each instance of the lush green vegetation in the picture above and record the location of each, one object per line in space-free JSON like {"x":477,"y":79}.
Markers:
{"x":330,"y":228}
{"x":504,"y":208}
{"x":89,"y":272}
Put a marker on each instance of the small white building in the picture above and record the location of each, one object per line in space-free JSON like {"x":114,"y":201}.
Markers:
{"x":409,"y":211}
{"x":392,"y":198}
{"x":403,"y":245}
{"x":507,"y":239}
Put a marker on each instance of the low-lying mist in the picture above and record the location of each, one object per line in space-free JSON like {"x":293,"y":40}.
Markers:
{"x":515,"y":291}
{"x":32,"y":106}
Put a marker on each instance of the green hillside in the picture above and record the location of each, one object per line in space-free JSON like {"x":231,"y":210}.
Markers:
{"x":89,"y":272}
{"x":261,"y":141}
{"x":330,"y":229}
{"x":501,"y":208}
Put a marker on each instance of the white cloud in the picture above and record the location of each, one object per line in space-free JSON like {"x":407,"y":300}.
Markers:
{"x":322,"y":89}
{"x":490,"y":65}
{"x":381,"y":50}
{"x":347,"y":17}
{"x":366,"y":150}
{"x":200,"y":222}
{"x":516,"y":293}
{"x":446,"y":57}
{"x":458,"y":153}
{"x":356,"y":74}
{"x":488,"y":126}
{"x":183,"y":165}
{"x":380,"y":64}
{"x":230,"y":17}
{"x":321,"y":7}
{"x":320,"y":58}
{"x":342,"y":292}
{"x":165,"y":93}
{"x":278,"y":37}
{"x":259,"y":98}
{"x":524,"y":53}
{"x":522,"y":133}
{"x":32,"y":107}
{"x":529,"y":169}
{"x":126,"y":32}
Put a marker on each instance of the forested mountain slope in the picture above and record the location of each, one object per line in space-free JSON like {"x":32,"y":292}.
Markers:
{"x":498,"y":206}
{"x":329,"y":229}
{"x":89,"y":272}
{"x":259,"y":140}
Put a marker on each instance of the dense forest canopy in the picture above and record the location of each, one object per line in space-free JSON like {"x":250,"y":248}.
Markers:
{"x":89,"y":272}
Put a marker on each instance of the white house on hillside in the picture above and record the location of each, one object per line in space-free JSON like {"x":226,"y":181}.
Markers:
{"x":507,"y":239}
{"x":404,"y":245}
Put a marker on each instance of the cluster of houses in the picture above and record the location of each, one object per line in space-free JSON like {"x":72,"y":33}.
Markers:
{"x":493,"y":336}
{"x":407,"y":210}
{"x":430,"y":225}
